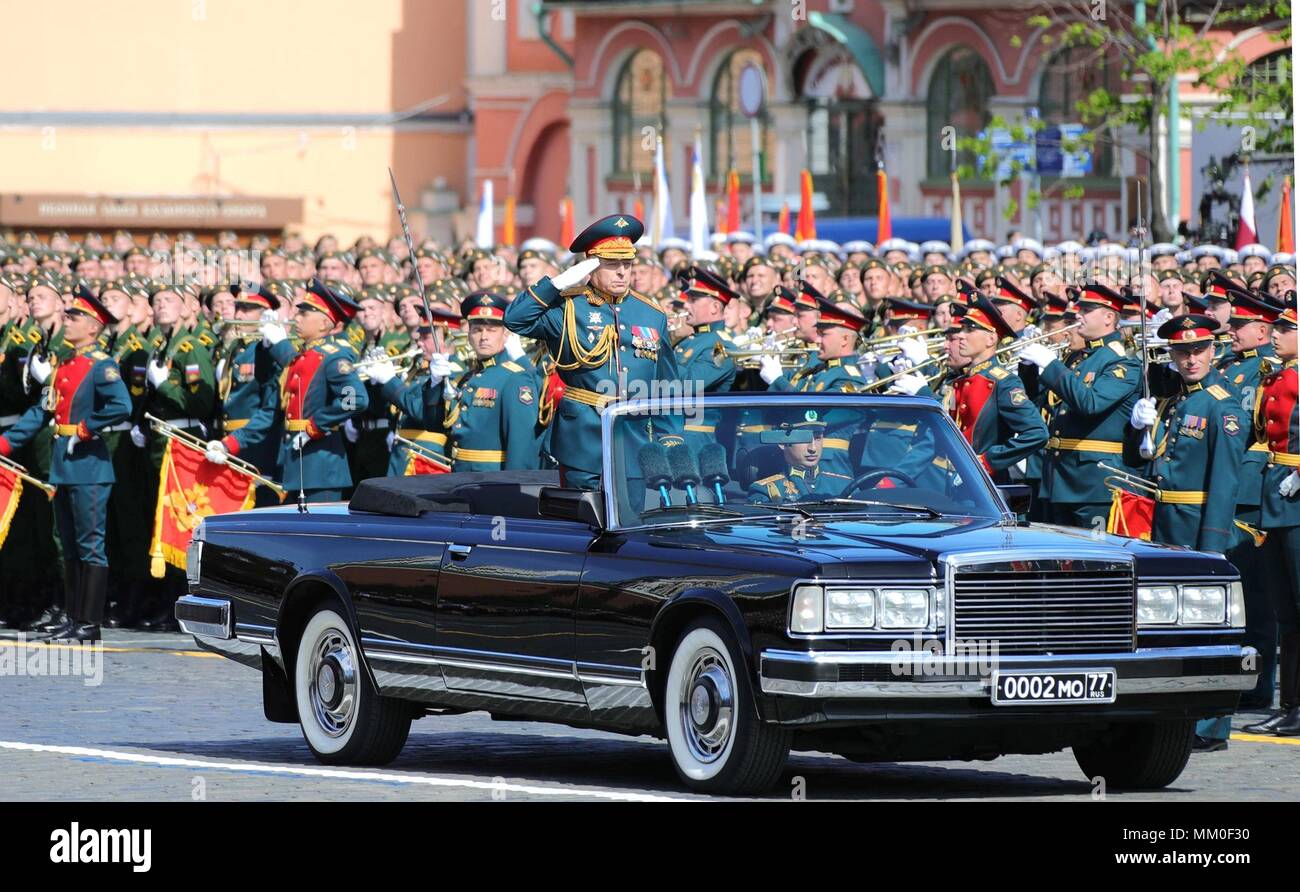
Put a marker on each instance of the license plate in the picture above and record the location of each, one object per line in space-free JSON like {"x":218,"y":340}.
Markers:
{"x":1070,"y":686}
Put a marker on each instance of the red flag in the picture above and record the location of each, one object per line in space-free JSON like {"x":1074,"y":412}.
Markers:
{"x":783,"y":222}
{"x":11,"y":487}
{"x":733,"y":201}
{"x":638,"y":208}
{"x":1285,"y":219}
{"x":566,"y":222}
{"x":1246,"y":219}
{"x":806,"y":226}
{"x":1130,"y":514}
{"x":884,"y":229}
{"x":191,"y":488}
{"x":508,"y":224}
{"x":417,"y":464}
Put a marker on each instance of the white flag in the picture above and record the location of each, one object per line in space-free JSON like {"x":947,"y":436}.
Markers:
{"x":662,"y":222}
{"x":699,"y":204}
{"x":485,"y":234}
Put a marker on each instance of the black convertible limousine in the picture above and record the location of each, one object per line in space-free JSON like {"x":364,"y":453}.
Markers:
{"x":738,"y":595}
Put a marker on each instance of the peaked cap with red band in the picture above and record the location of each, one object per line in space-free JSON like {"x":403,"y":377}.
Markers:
{"x":323,"y":299}
{"x":1095,"y":294}
{"x":701,"y":282}
{"x":484,"y":307}
{"x":85,"y":303}
{"x":1248,"y":307}
{"x":1008,"y":293}
{"x":1184,"y":331}
{"x":782,"y":301}
{"x":983,"y":313}
{"x":899,"y":310}
{"x":835,"y":316}
{"x":809,"y":298}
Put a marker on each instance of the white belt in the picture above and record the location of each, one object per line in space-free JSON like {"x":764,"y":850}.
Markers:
{"x":9,"y":420}
{"x":124,"y":426}
{"x":374,"y":424}
{"x":185,"y":422}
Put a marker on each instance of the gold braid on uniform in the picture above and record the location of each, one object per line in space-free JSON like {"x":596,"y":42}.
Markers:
{"x":450,"y":405}
{"x":602,"y":352}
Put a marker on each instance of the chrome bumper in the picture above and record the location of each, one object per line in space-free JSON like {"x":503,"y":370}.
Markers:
{"x":914,"y":675}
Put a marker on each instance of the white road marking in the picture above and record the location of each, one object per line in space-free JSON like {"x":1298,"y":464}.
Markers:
{"x":330,"y":773}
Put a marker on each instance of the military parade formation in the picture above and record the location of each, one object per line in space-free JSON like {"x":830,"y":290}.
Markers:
{"x":1092,"y":374}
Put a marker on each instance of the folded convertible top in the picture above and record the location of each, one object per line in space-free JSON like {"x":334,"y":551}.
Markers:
{"x":478,"y":492}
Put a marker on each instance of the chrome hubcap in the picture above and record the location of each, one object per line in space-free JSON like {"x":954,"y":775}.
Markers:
{"x":333,"y":689}
{"x":707,"y":705}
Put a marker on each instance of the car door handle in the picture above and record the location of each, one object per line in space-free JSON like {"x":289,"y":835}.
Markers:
{"x":459,"y":552}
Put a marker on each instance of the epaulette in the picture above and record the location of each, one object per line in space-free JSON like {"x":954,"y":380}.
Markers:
{"x":998,"y":373}
{"x":512,"y":366}
{"x":854,"y":371}
{"x":574,"y":291}
{"x":771,"y":479}
{"x":393,"y":350}
{"x":1119,"y":348}
{"x":328,"y":348}
{"x":98,"y":355}
{"x":726,"y":336}
{"x":185,"y":346}
{"x":17,"y":336}
{"x":836,"y":476}
{"x":648,"y":302}
{"x":204,"y":339}
{"x":1218,"y":392}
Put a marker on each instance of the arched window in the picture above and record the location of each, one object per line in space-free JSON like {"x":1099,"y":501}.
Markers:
{"x":1267,"y":71}
{"x":728,"y":127}
{"x":960,"y":89}
{"x":638,"y":103}
{"x":1071,"y":75}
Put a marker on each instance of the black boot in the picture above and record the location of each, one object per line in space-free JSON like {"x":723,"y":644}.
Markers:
{"x":71,"y":588}
{"x":1289,"y":666}
{"x":94,"y":589}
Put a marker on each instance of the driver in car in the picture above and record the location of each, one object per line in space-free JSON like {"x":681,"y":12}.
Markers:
{"x":801,"y":436}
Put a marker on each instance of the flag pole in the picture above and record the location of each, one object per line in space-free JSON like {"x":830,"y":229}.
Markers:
{"x":234,"y":463}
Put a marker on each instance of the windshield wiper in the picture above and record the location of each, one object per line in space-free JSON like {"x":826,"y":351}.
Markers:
{"x":698,"y":509}
{"x":920,"y":509}
{"x":792,"y":508}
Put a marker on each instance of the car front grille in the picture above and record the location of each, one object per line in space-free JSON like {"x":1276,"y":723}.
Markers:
{"x":1045,"y":606}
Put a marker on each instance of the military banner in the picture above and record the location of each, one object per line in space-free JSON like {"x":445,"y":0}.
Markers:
{"x":191,"y":488}
{"x":422,"y":461}
{"x":1131,"y":514}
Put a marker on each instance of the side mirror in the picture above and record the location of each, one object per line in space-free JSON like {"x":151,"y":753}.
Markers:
{"x":580,"y":505}
{"x":1018,"y":496}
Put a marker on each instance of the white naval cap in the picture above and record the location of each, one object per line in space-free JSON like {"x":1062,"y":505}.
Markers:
{"x":537,"y":243}
{"x":741,"y":236}
{"x":1255,"y":249}
{"x":935,"y":246}
{"x":1163,"y":249}
{"x":680,"y":244}
{"x":779,"y":238}
{"x":976,"y":245}
{"x":1282,"y":259}
{"x":858,"y":246}
{"x":1028,"y":244}
{"x":1070,"y":247}
{"x":1207,"y":251}
{"x":1005,"y":251}
{"x":1229,"y":256}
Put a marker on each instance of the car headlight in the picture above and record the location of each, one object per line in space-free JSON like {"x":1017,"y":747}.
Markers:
{"x":806,"y":609}
{"x":904,"y":608}
{"x":850,"y":608}
{"x":1204,"y":605}
{"x":1157,"y":605}
{"x":1236,"y":606}
{"x":1191,"y":604}
{"x":816,"y":608}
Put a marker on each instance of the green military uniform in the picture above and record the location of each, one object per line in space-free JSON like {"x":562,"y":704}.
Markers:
{"x":370,"y":453}
{"x":703,"y":358}
{"x":795,"y":484}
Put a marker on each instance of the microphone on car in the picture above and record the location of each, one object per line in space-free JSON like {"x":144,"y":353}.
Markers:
{"x":686,"y":473}
{"x":713,"y":468}
{"x":653,"y":459}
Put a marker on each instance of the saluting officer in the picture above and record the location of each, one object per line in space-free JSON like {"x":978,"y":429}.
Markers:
{"x":1277,"y":423}
{"x":990,"y":405}
{"x":1200,"y":439}
{"x":609,"y":343}
{"x":249,"y":421}
{"x":85,"y":397}
{"x":703,"y":356}
{"x":319,"y":391}
{"x":1097,"y":387}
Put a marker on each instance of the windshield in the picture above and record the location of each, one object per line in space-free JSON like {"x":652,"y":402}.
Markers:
{"x":797,"y":454}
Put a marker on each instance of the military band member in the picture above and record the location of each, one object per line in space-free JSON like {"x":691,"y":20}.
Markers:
{"x":369,"y":431}
{"x":319,"y":391}
{"x":416,"y":399}
{"x":85,"y":396}
{"x":703,"y":357}
{"x":807,"y":310}
{"x":1097,"y":387}
{"x":608,"y":341}
{"x":249,"y":423}
{"x":1277,"y":424}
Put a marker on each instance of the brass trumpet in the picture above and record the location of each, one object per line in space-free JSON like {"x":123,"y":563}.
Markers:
{"x":401,"y":361}
{"x":1017,"y":344}
{"x":926,"y":333}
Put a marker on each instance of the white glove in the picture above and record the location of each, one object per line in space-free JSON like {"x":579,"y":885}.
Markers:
{"x":272,"y":332}
{"x":40,"y":368}
{"x":575,"y":274}
{"x":300,"y":439}
{"x":908,"y":385}
{"x":914,"y":351}
{"x":1030,"y":331}
{"x":72,"y":443}
{"x":350,"y":431}
{"x":1038,"y":354}
{"x":381,"y":371}
{"x":439,"y":367}
{"x":868,"y":359}
{"x":216,"y":452}
{"x":137,"y":437}
{"x":1143,"y":415}
{"x":769,"y":368}
{"x":514,"y":346}
{"x":157,"y":373}
{"x":1290,"y":485}
{"x":390,"y":439}
{"x":220,"y":369}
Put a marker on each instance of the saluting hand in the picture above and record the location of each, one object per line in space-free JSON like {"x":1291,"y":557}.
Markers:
{"x":575,"y":274}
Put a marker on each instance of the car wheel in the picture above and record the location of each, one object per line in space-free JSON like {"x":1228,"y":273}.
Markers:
{"x":717,"y":742}
{"x":343,"y":719}
{"x":1139,"y":757}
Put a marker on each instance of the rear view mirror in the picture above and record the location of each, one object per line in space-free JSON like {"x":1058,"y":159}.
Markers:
{"x":579,"y":505}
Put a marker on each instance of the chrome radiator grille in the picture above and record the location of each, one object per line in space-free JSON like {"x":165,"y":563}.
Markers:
{"x":1056,"y":606}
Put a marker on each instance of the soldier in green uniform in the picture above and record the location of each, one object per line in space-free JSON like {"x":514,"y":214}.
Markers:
{"x":801,"y":436}
{"x":703,"y":358}
{"x":1200,"y":431}
{"x":609,"y":343}
{"x":1097,"y":387}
